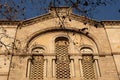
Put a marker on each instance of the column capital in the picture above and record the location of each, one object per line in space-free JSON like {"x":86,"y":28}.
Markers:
{"x":96,"y":57}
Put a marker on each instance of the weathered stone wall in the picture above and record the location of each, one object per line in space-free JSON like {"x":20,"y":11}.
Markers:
{"x":4,"y":66}
{"x":18,"y":68}
{"x":113,"y":32}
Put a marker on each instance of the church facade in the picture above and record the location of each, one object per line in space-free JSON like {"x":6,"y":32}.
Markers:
{"x":59,"y":45}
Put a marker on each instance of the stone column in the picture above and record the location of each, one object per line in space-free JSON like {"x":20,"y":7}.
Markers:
{"x":28,"y":68}
{"x":49,"y":65}
{"x":45,"y":67}
{"x":77,"y":65}
{"x":81,"y":70}
{"x":54,"y":68}
{"x":72,"y":68}
{"x":97,"y":66}
{"x":28,"y":60}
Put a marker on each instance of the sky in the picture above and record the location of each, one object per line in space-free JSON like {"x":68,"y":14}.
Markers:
{"x":109,"y":12}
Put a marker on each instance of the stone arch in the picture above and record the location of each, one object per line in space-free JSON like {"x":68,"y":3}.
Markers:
{"x":86,"y":50}
{"x":56,"y":36}
{"x":38,"y":50}
{"x":37,"y":47}
{"x":88,"y":47}
{"x":61,"y":38}
{"x":70,"y":29}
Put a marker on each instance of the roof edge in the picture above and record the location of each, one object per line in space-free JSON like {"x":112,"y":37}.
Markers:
{"x":111,"y":22}
{"x":9,"y":22}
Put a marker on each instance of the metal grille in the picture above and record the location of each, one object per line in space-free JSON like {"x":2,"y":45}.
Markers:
{"x":37,"y":65}
{"x":62,"y":62}
{"x":88,"y":68}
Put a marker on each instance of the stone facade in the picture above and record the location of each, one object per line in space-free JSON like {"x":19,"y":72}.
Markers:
{"x":64,"y":47}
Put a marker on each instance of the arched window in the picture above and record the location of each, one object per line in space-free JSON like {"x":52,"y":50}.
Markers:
{"x":63,"y":61}
{"x":37,"y":63}
{"x":88,"y":63}
{"x":88,"y":67}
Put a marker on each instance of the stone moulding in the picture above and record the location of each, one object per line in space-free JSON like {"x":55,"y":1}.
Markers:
{"x":111,"y":23}
{"x":8,"y":22}
{"x":48,"y":16}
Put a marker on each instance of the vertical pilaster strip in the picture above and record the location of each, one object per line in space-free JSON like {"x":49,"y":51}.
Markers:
{"x":81,"y":70}
{"x":45,"y":67}
{"x":54,"y":69}
{"x":72,"y":68}
{"x":76,"y":65}
{"x":28,"y":68}
{"x":77,"y":69}
{"x":49,"y":67}
{"x":97,"y":68}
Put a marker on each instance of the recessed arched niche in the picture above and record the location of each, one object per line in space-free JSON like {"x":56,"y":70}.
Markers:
{"x":86,"y":50}
{"x":61,"y":41}
{"x":38,"y":50}
{"x":62,"y":58}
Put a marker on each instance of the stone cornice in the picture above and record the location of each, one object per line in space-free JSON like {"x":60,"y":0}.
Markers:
{"x":8,"y":22}
{"x":54,"y":54}
{"x":72,"y":17}
{"x":111,"y":23}
{"x":27,"y":22}
{"x":37,"y":19}
{"x":50,"y":16}
{"x":86,"y":20}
